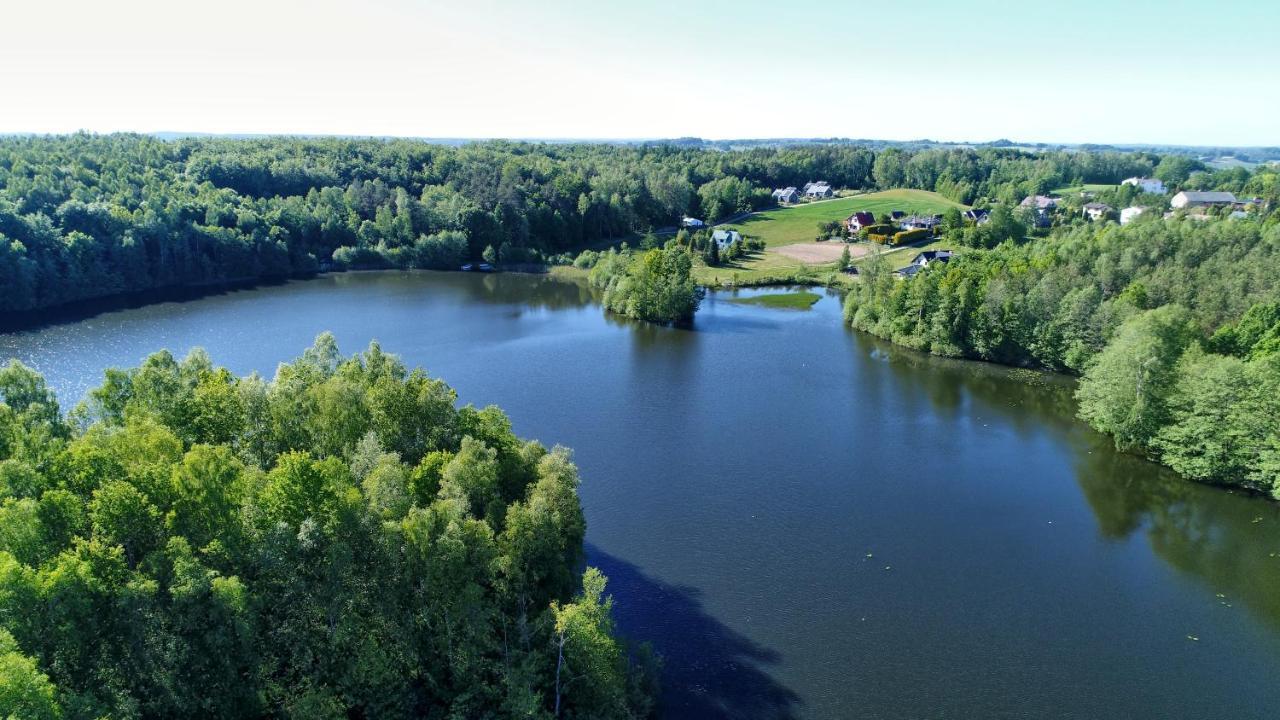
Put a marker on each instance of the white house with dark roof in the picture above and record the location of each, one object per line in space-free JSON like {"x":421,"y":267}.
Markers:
{"x":859,"y":220}
{"x":1148,"y":185}
{"x":924,"y":260}
{"x":931,"y":256}
{"x":725,"y":238}
{"x":1096,"y":210}
{"x":1192,"y":198}
{"x":920,"y":222}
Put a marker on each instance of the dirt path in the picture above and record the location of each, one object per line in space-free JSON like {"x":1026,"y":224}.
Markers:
{"x":816,"y":253}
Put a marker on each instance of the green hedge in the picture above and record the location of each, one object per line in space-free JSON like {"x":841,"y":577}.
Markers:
{"x":907,"y":236}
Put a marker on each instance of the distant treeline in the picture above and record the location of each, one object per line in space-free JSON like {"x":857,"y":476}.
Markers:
{"x":1174,"y":325}
{"x":86,"y":216}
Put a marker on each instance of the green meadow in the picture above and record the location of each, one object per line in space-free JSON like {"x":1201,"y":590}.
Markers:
{"x":799,"y":223}
{"x":789,"y":301}
{"x":1076,"y":189}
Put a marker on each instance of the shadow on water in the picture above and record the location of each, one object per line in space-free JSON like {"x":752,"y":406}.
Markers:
{"x":78,"y":310}
{"x":1227,"y":540}
{"x":709,"y":671}
{"x":528,"y":290}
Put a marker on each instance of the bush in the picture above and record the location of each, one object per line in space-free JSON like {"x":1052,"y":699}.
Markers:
{"x":586,"y":260}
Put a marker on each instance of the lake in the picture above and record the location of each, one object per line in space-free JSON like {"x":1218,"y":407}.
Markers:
{"x":806,"y":521}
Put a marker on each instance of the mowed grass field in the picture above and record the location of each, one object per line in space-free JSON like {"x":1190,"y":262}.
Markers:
{"x":799,"y":223}
{"x":1076,"y":189}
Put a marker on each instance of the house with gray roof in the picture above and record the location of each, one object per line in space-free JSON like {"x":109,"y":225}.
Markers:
{"x":1193,"y":198}
{"x":1040,"y":202}
{"x":725,"y":238}
{"x":819,"y":189}
{"x":920,"y":222}
{"x":1096,"y":210}
{"x":786,"y":195}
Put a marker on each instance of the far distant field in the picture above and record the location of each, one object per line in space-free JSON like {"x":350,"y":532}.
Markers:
{"x":791,"y":251}
{"x":799,"y":223}
{"x":1087,"y":187}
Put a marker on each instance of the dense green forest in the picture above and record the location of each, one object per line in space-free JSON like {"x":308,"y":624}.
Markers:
{"x":337,"y":542}
{"x":86,"y":216}
{"x":1174,"y":325}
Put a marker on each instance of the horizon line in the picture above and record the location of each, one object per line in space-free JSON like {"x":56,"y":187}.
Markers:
{"x":1004,"y":141}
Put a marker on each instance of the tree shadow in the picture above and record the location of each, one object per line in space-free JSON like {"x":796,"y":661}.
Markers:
{"x":75,"y":311}
{"x":709,"y":670}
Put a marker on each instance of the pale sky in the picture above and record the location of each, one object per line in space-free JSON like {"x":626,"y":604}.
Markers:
{"x":1124,"y":71}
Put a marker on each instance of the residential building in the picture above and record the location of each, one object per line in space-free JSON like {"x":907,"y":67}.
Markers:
{"x":818,"y":190}
{"x":691,"y":222}
{"x":1097,"y":211}
{"x":1191,"y":198}
{"x":977,"y":217}
{"x":1148,"y":185}
{"x":786,"y":195}
{"x":859,"y":220}
{"x":923,"y":260}
{"x":931,"y":256}
{"x":1128,"y":214}
{"x":1042,"y":203}
{"x":725,"y":238}
{"x":920,"y":222}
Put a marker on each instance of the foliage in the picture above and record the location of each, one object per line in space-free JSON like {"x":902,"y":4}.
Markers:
{"x":339,"y":541}
{"x":909,"y":236}
{"x":656,"y":285}
{"x":1126,"y":390}
{"x":1129,"y":307}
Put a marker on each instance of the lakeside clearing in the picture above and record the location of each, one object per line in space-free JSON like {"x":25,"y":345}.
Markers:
{"x":799,"y":223}
{"x":792,"y":254}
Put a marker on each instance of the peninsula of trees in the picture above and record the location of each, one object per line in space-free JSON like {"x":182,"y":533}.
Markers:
{"x":1174,"y":326}
{"x":337,"y":542}
{"x":654,"y":285}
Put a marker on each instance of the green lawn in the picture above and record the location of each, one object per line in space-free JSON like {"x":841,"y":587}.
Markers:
{"x":1077,"y":189}
{"x":757,"y":268}
{"x":790,"y":301}
{"x":900,"y":257}
{"x":799,"y":223}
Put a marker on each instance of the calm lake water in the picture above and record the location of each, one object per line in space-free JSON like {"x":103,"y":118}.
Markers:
{"x":805,"y":521}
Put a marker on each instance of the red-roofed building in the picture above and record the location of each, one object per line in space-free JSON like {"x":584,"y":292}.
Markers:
{"x":859,"y":220}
